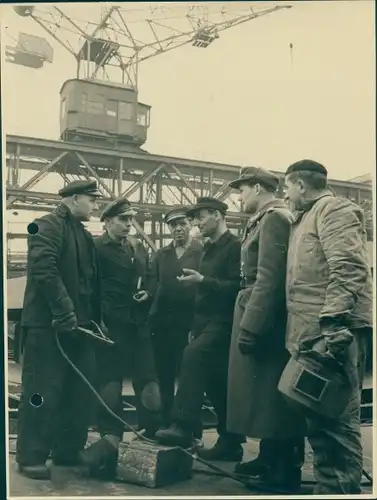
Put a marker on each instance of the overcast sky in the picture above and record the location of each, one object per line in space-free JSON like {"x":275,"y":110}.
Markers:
{"x":247,"y":99}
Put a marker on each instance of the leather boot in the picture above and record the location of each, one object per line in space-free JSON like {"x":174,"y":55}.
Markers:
{"x":39,"y":472}
{"x":175,"y":435}
{"x":101,"y":459}
{"x":224,"y":450}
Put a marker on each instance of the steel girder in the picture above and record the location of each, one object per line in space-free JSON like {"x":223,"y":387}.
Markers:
{"x":156,"y":181}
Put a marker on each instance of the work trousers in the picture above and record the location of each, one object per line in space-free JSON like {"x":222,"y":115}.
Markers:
{"x":170,"y":337}
{"x":204,"y":370}
{"x":55,"y":404}
{"x":133,"y":349}
{"x":336,"y":444}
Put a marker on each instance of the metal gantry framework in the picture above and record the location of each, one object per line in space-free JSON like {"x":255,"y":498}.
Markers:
{"x":126,"y":36}
{"x":152,"y":182}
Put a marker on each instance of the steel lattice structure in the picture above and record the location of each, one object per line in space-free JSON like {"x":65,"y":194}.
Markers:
{"x":152,"y":182}
{"x":124,"y":37}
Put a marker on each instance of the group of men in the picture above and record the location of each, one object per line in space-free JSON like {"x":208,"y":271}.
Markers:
{"x":226,"y":315}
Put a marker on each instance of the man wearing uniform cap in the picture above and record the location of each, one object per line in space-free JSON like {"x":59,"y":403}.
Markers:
{"x":124,"y":271}
{"x":204,"y":364}
{"x":329,"y":287}
{"x":172,"y":309}
{"x":257,"y":353}
{"x":61,"y":294}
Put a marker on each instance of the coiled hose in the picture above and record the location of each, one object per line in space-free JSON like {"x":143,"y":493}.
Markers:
{"x":217,"y":471}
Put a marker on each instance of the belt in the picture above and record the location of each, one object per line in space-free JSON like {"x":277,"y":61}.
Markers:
{"x":247,"y":282}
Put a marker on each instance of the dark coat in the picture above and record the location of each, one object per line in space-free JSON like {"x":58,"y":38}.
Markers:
{"x":62,"y":270}
{"x":173,"y":300}
{"x":216,"y":294}
{"x":255,"y":407}
{"x":121,"y":266}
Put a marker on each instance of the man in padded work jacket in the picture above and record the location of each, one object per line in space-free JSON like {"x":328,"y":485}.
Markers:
{"x":62,"y":293}
{"x":329,"y":297}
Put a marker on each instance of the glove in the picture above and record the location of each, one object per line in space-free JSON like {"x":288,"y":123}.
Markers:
{"x":65,"y":324}
{"x":248,"y":345}
{"x":337,"y":340}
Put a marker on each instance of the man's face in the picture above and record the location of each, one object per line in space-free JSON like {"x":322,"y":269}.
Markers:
{"x":85,"y":206}
{"x":207,"y":222}
{"x":180,"y":230}
{"x":249,"y":197}
{"x":119,"y":226}
{"x":294,"y":193}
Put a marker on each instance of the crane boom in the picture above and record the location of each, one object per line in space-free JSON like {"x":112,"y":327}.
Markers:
{"x":102,"y":48}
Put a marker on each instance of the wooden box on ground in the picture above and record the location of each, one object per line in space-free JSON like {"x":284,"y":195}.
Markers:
{"x":152,"y":465}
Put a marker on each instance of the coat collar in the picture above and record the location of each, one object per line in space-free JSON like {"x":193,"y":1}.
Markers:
{"x":308,"y":206}
{"x":274,"y":203}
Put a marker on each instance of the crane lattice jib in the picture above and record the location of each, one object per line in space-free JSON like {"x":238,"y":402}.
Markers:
{"x":125,"y":37}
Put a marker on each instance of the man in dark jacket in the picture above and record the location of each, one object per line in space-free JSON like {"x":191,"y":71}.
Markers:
{"x":172,"y":309}
{"x":204,"y":367}
{"x":61,"y":294}
{"x":258,"y":354}
{"x":124,"y":270}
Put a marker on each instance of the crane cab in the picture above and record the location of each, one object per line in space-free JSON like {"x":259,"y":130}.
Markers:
{"x":102,"y":111}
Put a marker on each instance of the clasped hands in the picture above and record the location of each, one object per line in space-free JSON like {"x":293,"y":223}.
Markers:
{"x":190,"y":276}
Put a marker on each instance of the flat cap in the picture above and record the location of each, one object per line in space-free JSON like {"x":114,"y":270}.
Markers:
{"x":255,"y":175}
{"x":88,"y":187}
{"x":306,"y":166}
{"x":120,"y":206}
{"x":207,"y":203}
{"x":175,"y":213}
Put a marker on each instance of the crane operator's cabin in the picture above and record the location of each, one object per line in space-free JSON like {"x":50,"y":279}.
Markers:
{"x":100,"y":110}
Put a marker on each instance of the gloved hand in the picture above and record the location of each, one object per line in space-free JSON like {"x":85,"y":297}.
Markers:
{"x":248,"y":345}
{"x":337,"y":340}
{"x":66,"y":323}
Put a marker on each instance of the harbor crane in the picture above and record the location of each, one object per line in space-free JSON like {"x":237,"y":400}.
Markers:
{"x":124,"y":37}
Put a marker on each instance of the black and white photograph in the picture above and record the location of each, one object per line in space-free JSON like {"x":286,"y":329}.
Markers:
{"x":188,"y":224}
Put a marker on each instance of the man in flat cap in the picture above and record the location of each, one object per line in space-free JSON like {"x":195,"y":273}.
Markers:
{"x":61,"y":294}
{"x":329,"y":297}
{"x":257,"y":353}
{"x":204,"y":364}
{"x":124,"y":271}
{"x":172,"y":309}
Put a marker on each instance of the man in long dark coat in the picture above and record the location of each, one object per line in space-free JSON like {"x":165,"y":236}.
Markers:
{"x":258,"y":354}
{"x":204,"y":367}
{"x":62,"y":292}
{"x":330,"y":297}
{"x":171,"y":313}
{"x":124,"y":272}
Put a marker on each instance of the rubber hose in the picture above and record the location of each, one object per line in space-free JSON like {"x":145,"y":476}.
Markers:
{"x":221,"y":472}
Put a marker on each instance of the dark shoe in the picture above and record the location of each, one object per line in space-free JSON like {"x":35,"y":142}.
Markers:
{"x":175,"y":436}
{"x":41,"y":472}
{"x":101,"y":459}
{"x":254,"y":468}
{"x":222,"y":450}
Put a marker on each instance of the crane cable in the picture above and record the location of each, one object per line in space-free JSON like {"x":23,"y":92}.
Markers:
{"x":245,"y":480}
{"x":218,"y":470}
